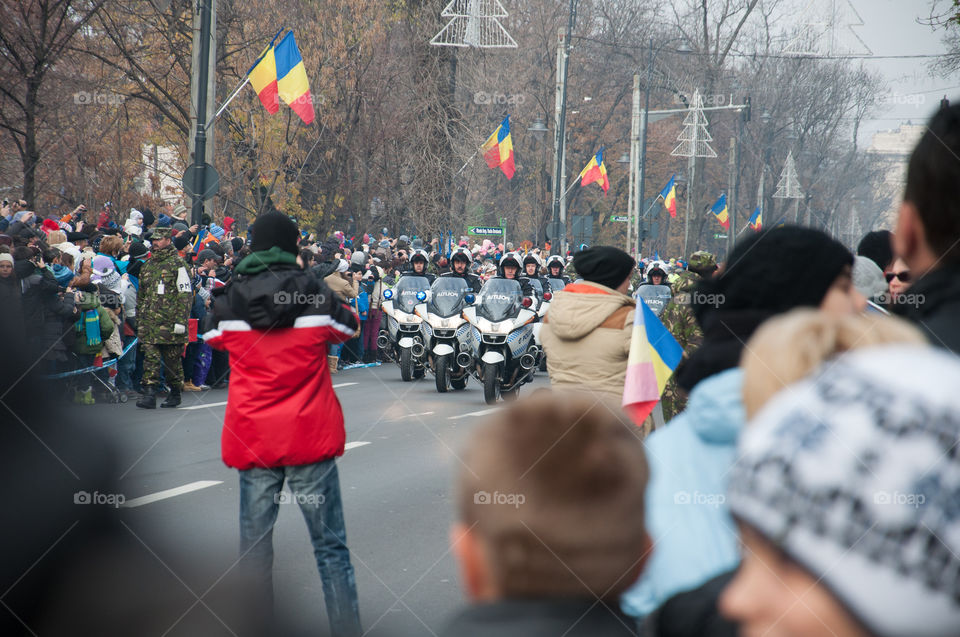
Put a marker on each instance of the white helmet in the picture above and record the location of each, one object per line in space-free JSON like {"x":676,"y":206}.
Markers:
{"x":533,"y":258}
{"x":421,"y":254}
{"x":556,"y":260}
{"x":462,"y":252}
{"x":510,"y":256}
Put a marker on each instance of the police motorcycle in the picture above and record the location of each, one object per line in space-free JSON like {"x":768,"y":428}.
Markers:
{"x":655,"y":296}
{"x":448,"y":353}
{"x":402,"y":340}
{"x":502,"y":329}
{"x":542,"y":297}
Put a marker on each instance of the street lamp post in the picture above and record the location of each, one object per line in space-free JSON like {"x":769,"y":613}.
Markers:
{"x":539,"y":130}
{"x":560,"y":134}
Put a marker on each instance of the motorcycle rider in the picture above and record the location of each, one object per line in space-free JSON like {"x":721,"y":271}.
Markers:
{"x":531,"y":266}
{"x":418,"y":266}
{"x":555,"y":267}
{"x":460,"y":262}
{"x":509,"y":268}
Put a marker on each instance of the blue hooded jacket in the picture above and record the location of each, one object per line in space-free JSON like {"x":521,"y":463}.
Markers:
{"x":694,"y":537}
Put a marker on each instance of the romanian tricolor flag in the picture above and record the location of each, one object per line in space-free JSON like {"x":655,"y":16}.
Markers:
{"x":263,"y":78}
{"x":669,"y":194}
{"x":595,"y":171}
{"x":654,"y":354}
{"x":756,"y":220}
{"x":719,"y":209}
{"x":279,"y":73}
{"x":498,"y":149}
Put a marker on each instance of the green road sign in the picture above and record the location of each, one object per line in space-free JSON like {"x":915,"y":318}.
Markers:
{"x":621,"y":218}
{"x":719,"y":236}
{"x":485,"y":231}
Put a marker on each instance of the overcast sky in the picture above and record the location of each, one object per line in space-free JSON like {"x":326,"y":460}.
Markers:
{"x":891,"y":27}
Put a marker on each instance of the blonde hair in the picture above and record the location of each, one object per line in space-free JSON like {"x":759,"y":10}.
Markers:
{"x":787,"y":348}
{"x":111,"y":245}
{"x":56,"y":237}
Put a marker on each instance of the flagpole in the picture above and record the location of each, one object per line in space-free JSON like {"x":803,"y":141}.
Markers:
{"x":457,"y":174}
{"x":567,"y":191}
{"x":246,"y":79}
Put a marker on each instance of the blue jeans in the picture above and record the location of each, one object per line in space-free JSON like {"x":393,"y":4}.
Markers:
{"x":126,"y":365}
{"x":316,"y":489}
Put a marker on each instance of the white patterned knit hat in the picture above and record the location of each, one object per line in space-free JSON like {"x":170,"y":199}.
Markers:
{"x":855,"y":474}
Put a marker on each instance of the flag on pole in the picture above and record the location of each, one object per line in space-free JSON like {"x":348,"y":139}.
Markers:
{"x":719,"y":209}
{"x":263,"y":78}
{"x":669,"y":194}
{"x":756,"y":220}
{"x":292,"y":83}
{"x":595,"y":171}
{"x":498,"y":149}
{"x":654,"y":354}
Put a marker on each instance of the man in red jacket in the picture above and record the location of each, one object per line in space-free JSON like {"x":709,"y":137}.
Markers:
{"x":283,"y":421}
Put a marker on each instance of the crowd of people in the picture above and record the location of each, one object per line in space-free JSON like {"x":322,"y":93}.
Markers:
{"x":805,"y":483}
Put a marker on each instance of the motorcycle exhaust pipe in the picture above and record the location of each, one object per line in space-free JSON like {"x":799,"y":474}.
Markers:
{"x":464,"y":359}
{"x":527,"y":361}
{"x":417,"y":349}
{"x":383,"y":340}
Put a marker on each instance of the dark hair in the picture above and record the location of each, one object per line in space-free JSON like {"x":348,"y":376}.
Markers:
{"x":23,"y":253}
{"x":933,"y":183}
{"x":580,"y":468}
{"x":877,"y":247}
{"x":306,"y":256}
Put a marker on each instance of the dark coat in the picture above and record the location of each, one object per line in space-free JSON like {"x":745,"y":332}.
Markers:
{"x":692,"y":613}
{"x":542,"y":618}
{"x":933,"y":303}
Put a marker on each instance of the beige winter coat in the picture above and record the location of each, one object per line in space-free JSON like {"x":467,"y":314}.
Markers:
{"x":343,"y":288}
{"x":586,"y":335}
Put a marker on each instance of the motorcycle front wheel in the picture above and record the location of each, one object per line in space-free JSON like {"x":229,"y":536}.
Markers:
{"x":491,"y":383}
{"x":442,"y":369}
{"x":406,"y":364}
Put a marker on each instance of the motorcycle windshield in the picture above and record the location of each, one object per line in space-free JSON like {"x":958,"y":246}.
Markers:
{"x":537,"y":288}
{"x":499,"y":299}
{"x":406,"y":290}
{"x":447,"y":296}
{"x":557,"y":284}
{"x":655,"y":296}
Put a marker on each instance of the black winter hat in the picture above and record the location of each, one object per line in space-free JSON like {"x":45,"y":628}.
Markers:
{"x":605,"y":265}
{"x":275,"y":229}
{"x":237,"y":244}
{"x":137,"y":249}
{"x":148,"y":217}
{"x":181,"y":241}
{"x":777,"y":270}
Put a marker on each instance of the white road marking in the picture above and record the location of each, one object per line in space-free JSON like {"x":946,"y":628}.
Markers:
{"x":482,"y":412}
{"x":354,"y":445}
{"x":203,"y":406}
{"x":170,"y":493}
{"x":423,"y":413}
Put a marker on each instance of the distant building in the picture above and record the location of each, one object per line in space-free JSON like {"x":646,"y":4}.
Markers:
{"x":161,"y":174}
{"x":891,"y":149}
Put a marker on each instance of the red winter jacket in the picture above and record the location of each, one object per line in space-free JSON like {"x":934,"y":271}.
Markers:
{"x":281,"y":407}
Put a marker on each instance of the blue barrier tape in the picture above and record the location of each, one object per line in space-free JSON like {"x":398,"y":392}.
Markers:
{"x":86,"y":370}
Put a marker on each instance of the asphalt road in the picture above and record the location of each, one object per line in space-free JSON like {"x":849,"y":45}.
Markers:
{"x":396,"y":479}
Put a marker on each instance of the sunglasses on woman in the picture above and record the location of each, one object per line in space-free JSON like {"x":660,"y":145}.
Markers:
{"x":903,"y":276}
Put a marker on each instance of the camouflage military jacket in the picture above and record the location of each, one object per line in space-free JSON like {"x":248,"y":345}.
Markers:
{"x":678,"y":318}
{"x":164,"y":298}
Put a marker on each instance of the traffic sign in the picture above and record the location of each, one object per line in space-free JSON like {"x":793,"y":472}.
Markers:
{"x":211,"y":182}
{"x":621,"y":218}
{"x":485,"y":231}
{"x":556,"y":231}
{"x":719,"y":236}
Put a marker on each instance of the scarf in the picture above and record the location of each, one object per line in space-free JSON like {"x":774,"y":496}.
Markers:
{"x":258,"y":262}
{"x":89,"y":324}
